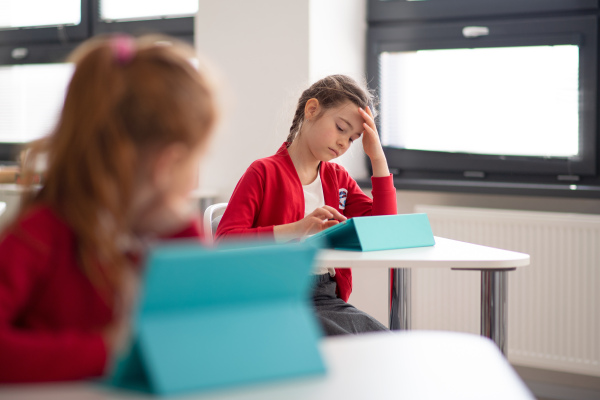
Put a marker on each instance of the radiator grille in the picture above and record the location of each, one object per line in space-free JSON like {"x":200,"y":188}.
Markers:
{"x":553,"y":304}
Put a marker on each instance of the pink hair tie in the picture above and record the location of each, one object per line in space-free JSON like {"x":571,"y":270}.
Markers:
{"x":124,"y":48}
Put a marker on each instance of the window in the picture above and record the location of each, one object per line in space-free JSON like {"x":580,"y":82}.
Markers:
{"x":37,"y":35}
{"x":17,"y":14}
{"x":537,"y":86}
{"x":497,"y":102}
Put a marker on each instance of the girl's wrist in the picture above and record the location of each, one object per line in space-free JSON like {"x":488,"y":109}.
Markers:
{"x":378,"y":158}
{"x":285,"y":232}
{"x":380,"y":167}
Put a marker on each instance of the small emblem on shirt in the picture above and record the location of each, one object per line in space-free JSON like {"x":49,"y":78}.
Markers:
{"x":343,"y":196}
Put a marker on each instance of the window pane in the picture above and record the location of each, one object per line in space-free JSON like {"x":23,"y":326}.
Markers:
{"x":521,"y":101}
{"x":37,"y":13}
{"x":146,"y":9}
{"x":31,"y":97}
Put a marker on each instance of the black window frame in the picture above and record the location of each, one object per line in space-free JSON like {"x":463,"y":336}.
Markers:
{"x":407,"y":10}
{"x":403,"y":26}
{"x":53,"y":44}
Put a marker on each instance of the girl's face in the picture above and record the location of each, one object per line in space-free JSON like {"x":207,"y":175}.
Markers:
{"x":330,"y":132}
{"x":163,"y":205}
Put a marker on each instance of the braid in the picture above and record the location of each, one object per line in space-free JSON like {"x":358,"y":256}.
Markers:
{"x":296,"y":123}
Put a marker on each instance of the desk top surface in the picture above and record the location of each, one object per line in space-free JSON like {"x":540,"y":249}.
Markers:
{"x":407,"y":365}
{"x":446,"y":253}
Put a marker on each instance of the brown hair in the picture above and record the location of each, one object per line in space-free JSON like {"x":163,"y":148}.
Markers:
{"x":331,"y":91}
{"x":127,"y":98}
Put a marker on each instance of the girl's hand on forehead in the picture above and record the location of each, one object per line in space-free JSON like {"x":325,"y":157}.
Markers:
{"x":371,"y":143}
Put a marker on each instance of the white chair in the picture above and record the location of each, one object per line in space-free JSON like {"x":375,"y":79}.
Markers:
{"x":212,"y":217}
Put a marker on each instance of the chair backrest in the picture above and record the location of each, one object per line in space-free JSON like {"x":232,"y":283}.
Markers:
{"x":212,"y":217}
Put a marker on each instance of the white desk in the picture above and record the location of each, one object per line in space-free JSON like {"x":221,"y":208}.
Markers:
{"x":401,"y":365}
{"x":493,"y":264}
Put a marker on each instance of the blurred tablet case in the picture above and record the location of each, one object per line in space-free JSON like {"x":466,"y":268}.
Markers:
{"x":216,"y":318}
{"x":382,"y":232}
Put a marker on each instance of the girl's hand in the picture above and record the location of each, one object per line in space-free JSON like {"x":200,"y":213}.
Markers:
{"x":320,"y":219}
{"x":372,"y":145}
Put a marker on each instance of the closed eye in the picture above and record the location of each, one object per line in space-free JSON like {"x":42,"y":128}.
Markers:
{"x":356,"y":138}
{"x":339,"y":128}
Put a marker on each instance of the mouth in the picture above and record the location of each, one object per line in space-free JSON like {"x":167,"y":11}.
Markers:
{"x":334,"y":152}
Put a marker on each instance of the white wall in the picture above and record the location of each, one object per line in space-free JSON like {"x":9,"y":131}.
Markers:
{"x":268,"y":52}
{"x":261,"y":49}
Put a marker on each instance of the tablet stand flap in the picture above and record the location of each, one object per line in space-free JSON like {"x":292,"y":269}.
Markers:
{"x":219,"y":318}
{"x":229,"y":347}
{"x":400,"y":231}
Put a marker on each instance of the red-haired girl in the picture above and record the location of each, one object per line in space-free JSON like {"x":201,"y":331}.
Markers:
{"x":120,"y":165}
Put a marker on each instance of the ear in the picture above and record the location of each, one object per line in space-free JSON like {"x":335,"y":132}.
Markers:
{"x":165,"y":164}
{"x":311,"y":108}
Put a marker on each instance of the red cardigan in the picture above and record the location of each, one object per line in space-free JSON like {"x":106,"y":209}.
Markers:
{"x":270,"y":193}
{"x":50,"y":314}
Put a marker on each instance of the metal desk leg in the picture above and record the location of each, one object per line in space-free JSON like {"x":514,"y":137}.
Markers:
{"x":494,"y":307}
{"x":400,"y":299}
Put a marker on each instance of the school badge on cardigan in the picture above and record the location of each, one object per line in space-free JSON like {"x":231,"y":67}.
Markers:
{"x":343,"y":197}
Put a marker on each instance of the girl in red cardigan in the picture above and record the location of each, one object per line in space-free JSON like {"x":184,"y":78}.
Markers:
{"x":121,"y":163}
{"x":299,"y":192}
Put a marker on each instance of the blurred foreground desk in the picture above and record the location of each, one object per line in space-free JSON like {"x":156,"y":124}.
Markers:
{"x":493,"y":263}
{"x":399,"y":365}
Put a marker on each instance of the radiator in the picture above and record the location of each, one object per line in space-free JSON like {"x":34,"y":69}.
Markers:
{"x":553,"y":304}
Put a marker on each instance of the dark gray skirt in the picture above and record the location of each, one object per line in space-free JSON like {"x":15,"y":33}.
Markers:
{"x":336,"y":316}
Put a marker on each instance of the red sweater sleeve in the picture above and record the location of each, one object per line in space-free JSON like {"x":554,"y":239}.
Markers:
{"x":243,"y":208}
{"x":384,"y":198}
{"x":30,"y":355}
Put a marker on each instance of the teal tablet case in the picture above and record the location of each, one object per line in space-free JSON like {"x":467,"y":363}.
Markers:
{"x":382,"y":232}
{"x":216,"y":318}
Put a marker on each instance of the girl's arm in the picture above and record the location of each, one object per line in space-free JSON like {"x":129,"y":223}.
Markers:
{"x":243,"y":208}
{"x":247,"y":202}
{"x":383,"y":192}
{"x":372,"y":145}
{"x":37,"y":355}
{"x":320,"y":219}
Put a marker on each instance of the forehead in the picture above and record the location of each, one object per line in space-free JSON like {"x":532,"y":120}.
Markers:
{"x":347,"y":110}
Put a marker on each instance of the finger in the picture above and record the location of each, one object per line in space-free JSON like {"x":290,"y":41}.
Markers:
{"x":329,"y":224}
{"x":322,"y":213}
{"x":336,"y":214}
{"x":370,"y":130}
{"x":367,"y":116}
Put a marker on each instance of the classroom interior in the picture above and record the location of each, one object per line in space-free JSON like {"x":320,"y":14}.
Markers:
{"x":267,"y":51}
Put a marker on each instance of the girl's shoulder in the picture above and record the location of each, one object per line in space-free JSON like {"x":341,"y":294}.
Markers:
{"x":38,"y":228}
{"x":278,"y":162}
